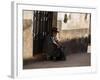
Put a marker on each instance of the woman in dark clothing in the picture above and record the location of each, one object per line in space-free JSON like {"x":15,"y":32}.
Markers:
{"x":52,"y":48}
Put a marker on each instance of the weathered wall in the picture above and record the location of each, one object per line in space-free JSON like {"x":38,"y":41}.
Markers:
{"x":27,"y":35}
{"x":74,"y":33}
{"x":74,"y":21}
{"x":77,"y":26}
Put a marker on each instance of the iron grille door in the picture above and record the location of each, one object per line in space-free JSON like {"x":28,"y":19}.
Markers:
{"x":42,"y":25}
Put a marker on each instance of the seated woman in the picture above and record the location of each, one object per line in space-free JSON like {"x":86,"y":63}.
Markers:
{"x":52,"y":48}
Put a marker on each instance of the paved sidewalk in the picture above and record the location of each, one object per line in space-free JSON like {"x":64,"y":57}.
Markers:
{"x":73,"y":60}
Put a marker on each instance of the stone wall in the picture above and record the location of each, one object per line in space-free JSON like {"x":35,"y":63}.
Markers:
{"x":71,"y":34}
{"x":27,"y":39}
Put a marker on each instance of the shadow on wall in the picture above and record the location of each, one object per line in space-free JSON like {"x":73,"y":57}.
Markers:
{"x":76,"y":45}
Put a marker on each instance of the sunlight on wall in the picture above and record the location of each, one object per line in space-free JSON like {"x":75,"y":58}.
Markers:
{"x":77,"y":25}
{"x":27,"y":34}
{"x":28,"y":14}
{"x":75,"y":21}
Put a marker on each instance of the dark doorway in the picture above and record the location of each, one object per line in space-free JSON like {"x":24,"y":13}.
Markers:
{"x":42,"y":25}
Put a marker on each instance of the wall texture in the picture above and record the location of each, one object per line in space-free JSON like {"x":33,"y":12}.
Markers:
{"x":27,"y":34}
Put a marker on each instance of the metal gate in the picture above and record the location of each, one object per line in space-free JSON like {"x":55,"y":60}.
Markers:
{"x":42,"y":25}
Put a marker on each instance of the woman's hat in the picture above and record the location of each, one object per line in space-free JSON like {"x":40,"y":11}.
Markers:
{"x":54,"y":29}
